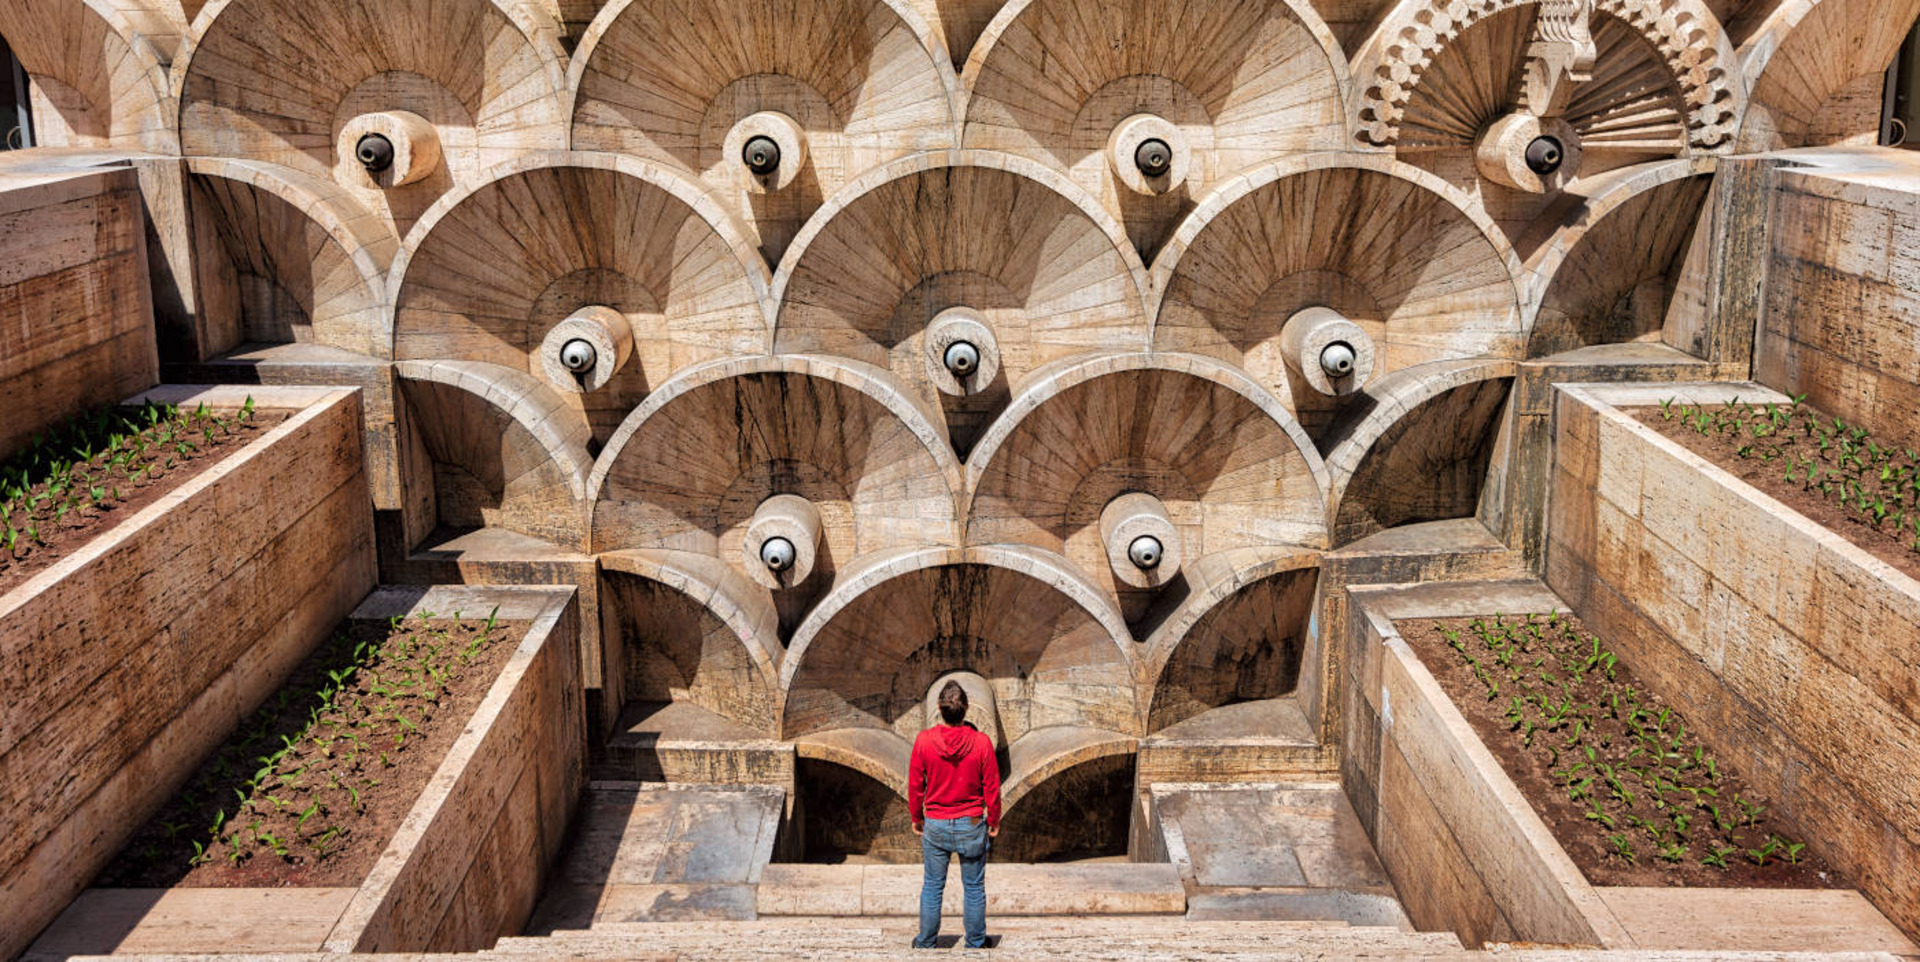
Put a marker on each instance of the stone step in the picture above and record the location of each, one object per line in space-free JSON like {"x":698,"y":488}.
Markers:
{"x":1055,"y":938}
{"x":1118,"y":888}
{"x":1354,"y":907}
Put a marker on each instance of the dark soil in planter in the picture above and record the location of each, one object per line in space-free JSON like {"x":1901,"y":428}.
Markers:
{"x":1764,"y":465}
{"x":1673,"y":797}
{"x":311,"y":787}
{"x":85,"y":476}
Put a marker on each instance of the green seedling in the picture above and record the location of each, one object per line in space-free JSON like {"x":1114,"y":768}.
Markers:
{"x":1759,"y":856}
{"x":1622,"y":848}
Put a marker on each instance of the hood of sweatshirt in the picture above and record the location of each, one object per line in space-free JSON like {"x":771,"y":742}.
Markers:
{"x":954,"y":742}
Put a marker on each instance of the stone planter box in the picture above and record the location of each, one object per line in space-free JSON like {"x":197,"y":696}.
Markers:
{"x":464,"y":867}
{"x":1795,"y":647}
{"x":1468,"y":853}
{"x":133,"y":655}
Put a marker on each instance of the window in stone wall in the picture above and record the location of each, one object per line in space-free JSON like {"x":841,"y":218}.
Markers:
{"x":16,"y":121}
{"x":1900,"y":122}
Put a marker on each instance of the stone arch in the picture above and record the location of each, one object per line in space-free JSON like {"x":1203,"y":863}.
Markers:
{"x":1391,"y":247}
{"x":693,"y":631}
{"x":1611,"y":267}
{"x":1045,"y":267}
{"x":1233,"y":470}
{"x":1391,"y":465}
{"x":1634,"y":108}
{"x":505,"y":452}
{"x":1815,"y":71}
{"x":492,"y":268}
{"x":1077,"y":802}
{"x":1246,"y":81}
{"x":301,"y":259}
{"x":263,"y":80}
{"x":1402,"y":51}
{"x":1240,"y":636}
{"x":668,"y":79}
{"x":1051,"y":645}
{"x":690,"y":465}
{"x":96,"y":80}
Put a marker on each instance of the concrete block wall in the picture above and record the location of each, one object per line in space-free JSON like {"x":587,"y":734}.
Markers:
{"x":1793,"y":648}
{"x":76,"y":311}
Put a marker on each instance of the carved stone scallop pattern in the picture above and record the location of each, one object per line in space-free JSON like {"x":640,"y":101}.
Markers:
{"x":667,"y":80}
{"x":95,"y":80}
{"x":1688,"y":39}
{"x":1386,"y":247}
{"x":1633,"y":108}
{"x":1243,"y":80}
{"x":498,"y":268}
{"x":1046,"y":270}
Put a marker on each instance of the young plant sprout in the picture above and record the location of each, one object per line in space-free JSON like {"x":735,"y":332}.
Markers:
{"x":291,"y":787}
{"x":1620,"y":761}
{"x":1837,"y":462}
{"x":81,"y":470}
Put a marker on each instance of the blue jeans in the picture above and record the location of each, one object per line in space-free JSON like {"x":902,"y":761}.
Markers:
{"x":943,"y":839}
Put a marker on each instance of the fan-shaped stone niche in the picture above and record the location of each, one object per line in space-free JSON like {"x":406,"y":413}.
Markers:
{"x":290,"y":83}
{"x":1052,"y":647}
{"x":857,"y":674}
{"x":1634,"y":108}
{"x":1410,"y":50}
{"x":673,"y":81}
{"x":1418,"y":447}
{"x":1241,"y":82}
{"x":1614,"y":270}
{"x":1818,"y":72}
{"x":693,"y":631}
{"x":1230,"y":466}
{"x":283,"y":258}
{"x":1390,"y":248}
{"x":491,"y":272}
{"x":1241,"y":637}
{"x":96,"y":81}
{"x":1082,"y":810}
{"x":1034,"y":260}
{"x":502,"y":449}
{"x":691,"y":466}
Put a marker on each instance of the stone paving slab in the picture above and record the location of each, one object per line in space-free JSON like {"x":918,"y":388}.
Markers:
{"x":189,"y":920}
{"x":1119,"y":888}
{"x":1756,"y":920}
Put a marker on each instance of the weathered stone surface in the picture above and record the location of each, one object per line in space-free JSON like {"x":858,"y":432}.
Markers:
{"x":136,"y":653}
{"x":468,"y":863}
{"x":1842,"y":310}
{"x":1796,"y":646}
{"x":76,"y":313}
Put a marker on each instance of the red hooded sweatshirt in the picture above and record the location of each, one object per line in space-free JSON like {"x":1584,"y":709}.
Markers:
{"x":953,"y":774}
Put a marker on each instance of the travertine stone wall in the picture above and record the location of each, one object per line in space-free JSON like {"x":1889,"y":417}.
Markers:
{"x":76,"y":313}
{"x":1465,"y":849}
{"x":1842,"y":316}
{"x":784,"y":330}
{"x":137,"y":653}
{"x":466,"y":866}
{"x":1793,"y":648}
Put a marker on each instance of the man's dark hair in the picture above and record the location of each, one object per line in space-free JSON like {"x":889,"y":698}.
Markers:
{"x":953,"y":703}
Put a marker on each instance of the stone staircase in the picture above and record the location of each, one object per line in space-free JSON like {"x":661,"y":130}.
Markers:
{"x":1049,"y":939}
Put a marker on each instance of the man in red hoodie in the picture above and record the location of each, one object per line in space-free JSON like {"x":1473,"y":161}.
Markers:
{"x":953,"y":793}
